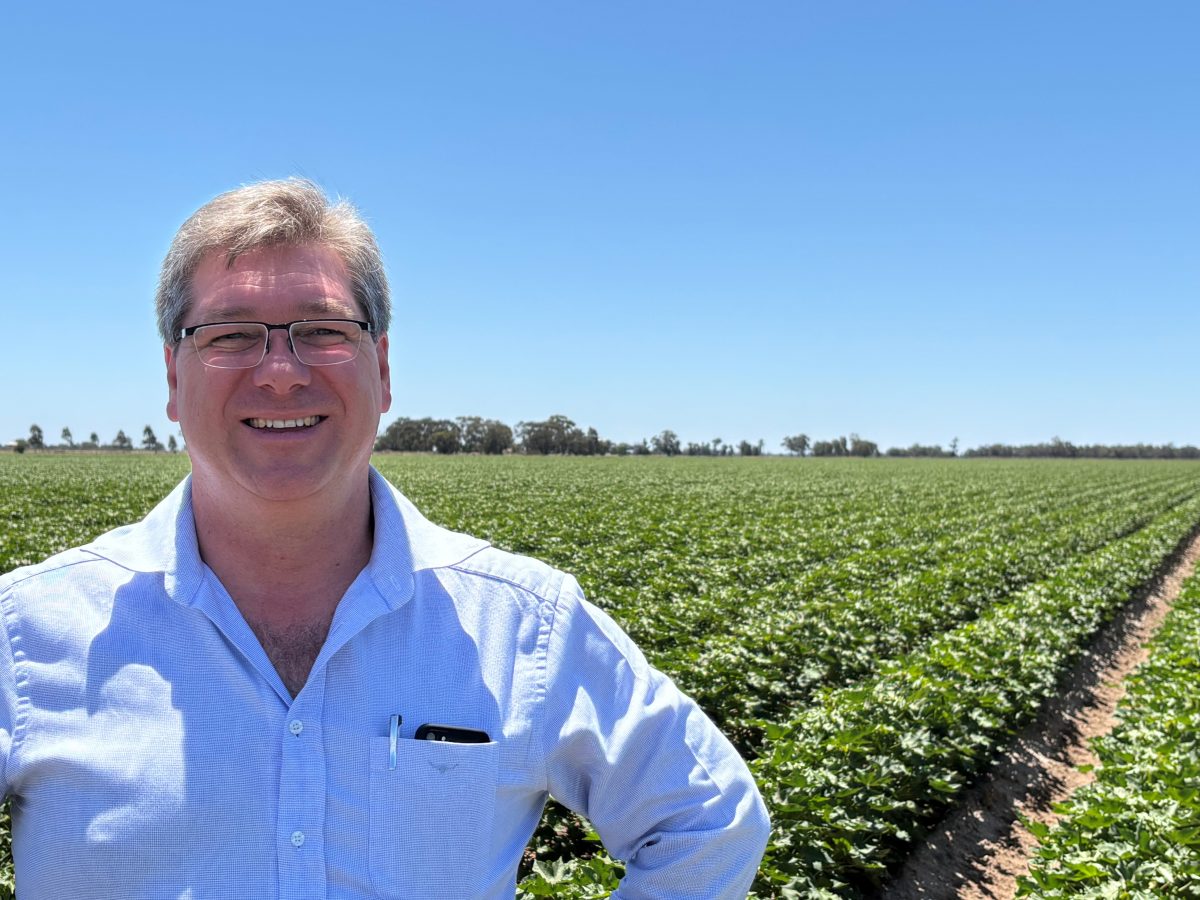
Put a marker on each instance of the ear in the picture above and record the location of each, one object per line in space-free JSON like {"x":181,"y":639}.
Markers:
{"x":172,"y":383}
{"x":385,"y":375}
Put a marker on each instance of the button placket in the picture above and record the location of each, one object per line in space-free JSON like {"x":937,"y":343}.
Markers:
{"x":301,"y":802}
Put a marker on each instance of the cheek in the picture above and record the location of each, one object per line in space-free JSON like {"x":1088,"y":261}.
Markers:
{"x":198,"y":404}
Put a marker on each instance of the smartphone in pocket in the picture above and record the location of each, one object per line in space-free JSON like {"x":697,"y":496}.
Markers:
{"x":451,"y":734}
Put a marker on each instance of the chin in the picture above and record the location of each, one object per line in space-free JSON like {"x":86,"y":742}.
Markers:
{"x":267,"y":482}
{"x":288,"y":485}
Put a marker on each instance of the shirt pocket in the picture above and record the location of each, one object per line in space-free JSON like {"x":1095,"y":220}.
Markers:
{"x":431,"y":817}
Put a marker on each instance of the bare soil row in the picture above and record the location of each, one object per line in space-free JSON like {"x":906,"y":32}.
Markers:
{"x":981,"y":847}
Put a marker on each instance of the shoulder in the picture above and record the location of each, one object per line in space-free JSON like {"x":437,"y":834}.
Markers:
{"x":491,"y":565}
{"x":79,"y":564}
{"x":75,"y":590}
{"x":495,"y":589}
{"x":53,"y":610}
{"x":461,"y":563}
{"x":578,"y":633}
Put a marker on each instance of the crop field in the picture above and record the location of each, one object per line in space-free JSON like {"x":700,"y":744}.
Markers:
{"x":869,"y":633}
{"x":1135,"y":831}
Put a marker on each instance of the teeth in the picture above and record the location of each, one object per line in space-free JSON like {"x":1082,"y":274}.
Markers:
{"x":284,"y":423}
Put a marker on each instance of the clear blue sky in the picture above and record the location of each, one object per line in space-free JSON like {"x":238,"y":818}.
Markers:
{"x":913,"y":221}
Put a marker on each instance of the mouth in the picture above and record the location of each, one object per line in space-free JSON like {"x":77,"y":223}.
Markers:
{"x":284,"y":424}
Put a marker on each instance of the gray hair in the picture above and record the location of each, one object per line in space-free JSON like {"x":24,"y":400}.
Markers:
{"x":284,"y":213}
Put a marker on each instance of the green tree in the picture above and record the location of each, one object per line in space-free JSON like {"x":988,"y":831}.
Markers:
{"x":122,"y":442}
{"x":862,"y":447}
{"x":471,"y":431}
{"x":67,"y":438}
{"x":36,"y":440}
{"x":95,"y":439}
{"x":479,"y":435}
{"x":558,"y":434}
{"x":414,"y":435}
{"x":171,"y":445}
{"x":497,"y":438}
{"x":149,"y":441}
{"x":445,"y":441}
{"x":666,"y":442}
{"x":797,"y":443}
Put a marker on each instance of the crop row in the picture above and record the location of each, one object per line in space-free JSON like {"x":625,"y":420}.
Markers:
{"x":718,"y":570}
{"x":1135,"y":831}
{"x":854,"y":779}
{"x":843,"y":621}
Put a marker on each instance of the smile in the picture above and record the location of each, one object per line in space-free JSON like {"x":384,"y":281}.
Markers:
{"x":284,"y":423}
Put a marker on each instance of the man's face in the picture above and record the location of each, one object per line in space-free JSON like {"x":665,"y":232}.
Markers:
{"x":221,"y":411}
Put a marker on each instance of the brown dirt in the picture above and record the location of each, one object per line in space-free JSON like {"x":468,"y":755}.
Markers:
{"x":979,"y":850}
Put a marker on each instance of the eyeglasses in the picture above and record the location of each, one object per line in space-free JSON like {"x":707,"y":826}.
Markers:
{"x":243,"y":345}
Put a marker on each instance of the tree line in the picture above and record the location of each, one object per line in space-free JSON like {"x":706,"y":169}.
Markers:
{"x":37,"y":441}
{"x":801,"y":445}
{"x":560,"y":435}
{"x":1055,"y":448}
{"x":1060,"y":449}
{"x":557,"y":435}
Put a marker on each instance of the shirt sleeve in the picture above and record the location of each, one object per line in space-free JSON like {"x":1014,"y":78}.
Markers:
{"x":8,"y":694}
{"x":664,"y":789}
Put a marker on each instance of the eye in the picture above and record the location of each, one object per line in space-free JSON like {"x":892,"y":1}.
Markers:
{"x":231,"y":337}
{"x":324,"y":334}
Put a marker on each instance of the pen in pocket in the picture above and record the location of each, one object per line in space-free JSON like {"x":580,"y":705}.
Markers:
{"x":393,"y":733}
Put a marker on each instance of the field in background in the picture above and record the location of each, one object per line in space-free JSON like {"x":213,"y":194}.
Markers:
{"x":868,"y":632}
{"x":1135,"y":831}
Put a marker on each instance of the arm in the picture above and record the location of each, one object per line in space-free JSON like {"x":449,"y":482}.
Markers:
{"x":665,"y":790}
{"x":8,"y":694}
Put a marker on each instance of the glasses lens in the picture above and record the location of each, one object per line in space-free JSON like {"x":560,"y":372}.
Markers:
{"x":233,"y":345}
{"x":327,"y":342}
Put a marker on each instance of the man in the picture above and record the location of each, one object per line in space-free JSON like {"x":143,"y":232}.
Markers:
{"x":285,"y":682}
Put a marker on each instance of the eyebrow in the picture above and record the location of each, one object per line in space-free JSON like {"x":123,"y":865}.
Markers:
{"x":321,"y":307}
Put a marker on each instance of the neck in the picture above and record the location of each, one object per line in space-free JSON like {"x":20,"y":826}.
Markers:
{"x":284,"y":563}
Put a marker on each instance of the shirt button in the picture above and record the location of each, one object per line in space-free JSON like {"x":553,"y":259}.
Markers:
{"x":295,"y":726}
{"x":297,"y":838}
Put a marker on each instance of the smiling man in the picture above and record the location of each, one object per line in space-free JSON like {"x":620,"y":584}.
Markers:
{"x":285,"y":682}
{"x":280,"y":417}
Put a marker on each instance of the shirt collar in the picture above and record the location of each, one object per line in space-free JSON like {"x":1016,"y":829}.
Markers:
{"x":405,"y":543}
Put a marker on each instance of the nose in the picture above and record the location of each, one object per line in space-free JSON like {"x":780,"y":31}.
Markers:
{"x":280,"y":370}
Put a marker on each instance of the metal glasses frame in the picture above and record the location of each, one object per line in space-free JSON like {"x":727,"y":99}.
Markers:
{"x":191,"y":330}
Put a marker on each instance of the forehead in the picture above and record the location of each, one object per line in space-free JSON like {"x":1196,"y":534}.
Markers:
{"x":293,"y":282}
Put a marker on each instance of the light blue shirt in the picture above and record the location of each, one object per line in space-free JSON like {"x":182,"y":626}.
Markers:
{"x":152,"y":751}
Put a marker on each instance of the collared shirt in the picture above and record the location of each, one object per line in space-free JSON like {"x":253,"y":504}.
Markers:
{"x":152,"y":750}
